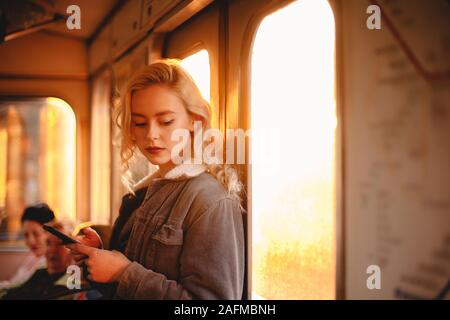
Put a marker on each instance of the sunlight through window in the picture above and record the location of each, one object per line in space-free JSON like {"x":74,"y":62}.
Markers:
{"x":198,"y":66}
{"x":38,"y":159}
{"x":101,"y":152}
{"x":58,"y":129}
{"x":293,"y":139}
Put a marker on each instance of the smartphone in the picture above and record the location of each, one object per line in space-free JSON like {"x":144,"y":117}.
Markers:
{"x":65,"y":238}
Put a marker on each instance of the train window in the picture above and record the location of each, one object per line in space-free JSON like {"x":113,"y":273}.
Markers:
{"x":293,"y":180}
{"x":37,"y":144}
{"x":197,"y":65}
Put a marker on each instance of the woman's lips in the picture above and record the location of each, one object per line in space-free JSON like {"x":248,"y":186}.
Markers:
{"x":154,"y":150}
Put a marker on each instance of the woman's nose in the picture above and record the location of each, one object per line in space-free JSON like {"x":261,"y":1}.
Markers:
{"x":153,"y":132}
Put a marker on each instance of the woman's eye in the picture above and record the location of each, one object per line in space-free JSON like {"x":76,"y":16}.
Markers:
{"x":140,"y":124}
{"x":167,"y":122}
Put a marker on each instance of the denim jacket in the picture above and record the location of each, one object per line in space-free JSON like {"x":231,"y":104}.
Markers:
{"x":185,"y":241}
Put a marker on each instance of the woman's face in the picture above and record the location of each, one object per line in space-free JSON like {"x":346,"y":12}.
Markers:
{"x":35,"y":237}
{"x":156,"y":112}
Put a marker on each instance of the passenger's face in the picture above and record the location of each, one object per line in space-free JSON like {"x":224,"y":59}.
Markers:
{"x":35,"y":237}
{"x":58,"y":256}
{"x":156,"y":112}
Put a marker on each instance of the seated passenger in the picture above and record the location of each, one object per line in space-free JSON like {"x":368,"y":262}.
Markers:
{"x":32,"y":220}
{"x":50,"y":282}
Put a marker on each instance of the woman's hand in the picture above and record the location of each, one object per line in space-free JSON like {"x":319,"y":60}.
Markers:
{"x":103,"y":265}
{"x":90,"y":238}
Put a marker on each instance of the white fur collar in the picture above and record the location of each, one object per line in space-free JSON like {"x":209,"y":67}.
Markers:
{"x":180,"y":172}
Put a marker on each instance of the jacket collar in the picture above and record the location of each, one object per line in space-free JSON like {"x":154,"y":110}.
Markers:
{"x":180,"y":172}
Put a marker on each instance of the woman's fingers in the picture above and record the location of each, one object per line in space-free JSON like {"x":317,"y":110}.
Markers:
{"x":80,"y":239}
{"x":90,"y":233}
{"x":78,"y":257}
{"x":81,"y":249}
{"x":81,"y":262}
{"x":91,"y":238}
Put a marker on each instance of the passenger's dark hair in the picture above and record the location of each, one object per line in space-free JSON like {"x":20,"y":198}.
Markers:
{"x":40,"y":213}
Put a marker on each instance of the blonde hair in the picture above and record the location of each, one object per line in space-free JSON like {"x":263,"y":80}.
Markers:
{"x":169,"y":72}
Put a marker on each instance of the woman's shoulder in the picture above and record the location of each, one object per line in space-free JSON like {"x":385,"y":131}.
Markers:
{"x":206,"y":184}
{"x":205,"y":195}
{"x":206,"y":190}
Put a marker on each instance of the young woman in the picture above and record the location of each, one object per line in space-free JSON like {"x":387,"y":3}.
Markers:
{"x":180,"y":234}
{"x":35,"y":239}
